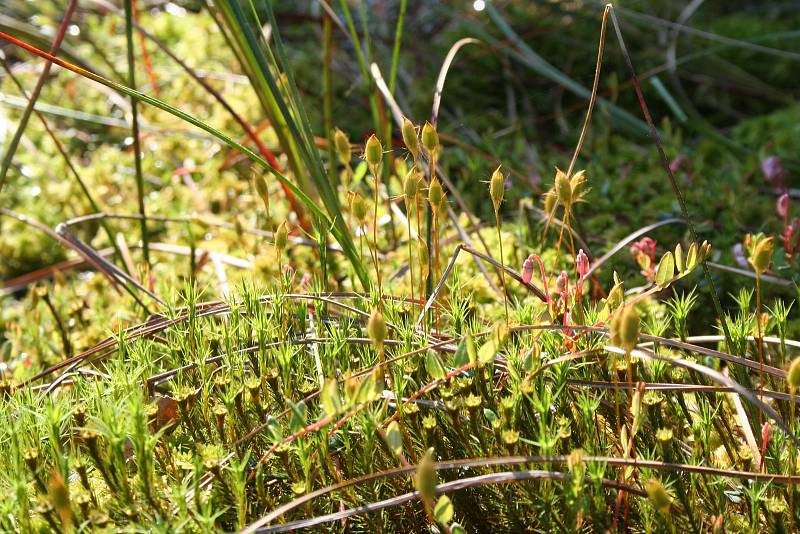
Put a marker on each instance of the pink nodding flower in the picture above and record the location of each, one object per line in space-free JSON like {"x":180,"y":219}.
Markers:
{"x":527,"y":269}
{"x":782,"y":206}
{"x":790,"y":234}
{"x":766,"y":436}
{"x":646,"y":245}
{"x":562,"y":283}
{"x":582,"y":263}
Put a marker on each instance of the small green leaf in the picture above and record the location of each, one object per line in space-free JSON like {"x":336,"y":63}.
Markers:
{"x":443,"y":511}
{"x":691,"y":257}
{"x":426,"y":479}
{"x":370,"y":388}
{"x":434,"y":366}
{"x":488,"y":350}
{"x":665,"y":269}
{"x":329,"y":397}
{"x":359,"y":173}
{"x":461,"y":357}
{"x":472,"y":350}
{"x":394,"y":439}
{"x":455,"y":528}
{"x":490,"y":415}
{"x":298,"y":421}
{"x":679,"y":259}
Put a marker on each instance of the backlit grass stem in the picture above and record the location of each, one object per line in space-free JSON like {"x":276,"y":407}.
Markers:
{"x":136,"y":144}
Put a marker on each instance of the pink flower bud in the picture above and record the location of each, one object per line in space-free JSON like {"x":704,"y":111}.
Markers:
{"x":766,"y":429}
{"x":782,"y":206}
{"x":773,"y":170}
{"x":582,"y":263}
{"x":562,"y":282}
{"x":527,"y":269}
{"x":648,"y":245}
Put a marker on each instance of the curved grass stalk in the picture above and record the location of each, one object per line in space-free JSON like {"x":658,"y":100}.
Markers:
{"x":517,"y":460}
{"x":507,"y":477}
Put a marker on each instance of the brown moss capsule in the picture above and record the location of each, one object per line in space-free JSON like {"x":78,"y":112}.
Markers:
{"x":424,"y":259}
{"x":577,"y":185}
{"x":435,"y":194}
{"x":376,"y":328}
{"x":497,"y":188}
{"x":563,"y":188}
{"x":430,"y":139}
{"x":260,"y":184}
{"x":443,"y":206}
{"x":705,"y":249}
{"x":625,"y":328}
{"x":373,"y":152}
{"x":410,"y":184}
{"x":359,"y":207}
{"x":410,"y":137}
{"x":762,"y":255}
{"x":550,"y":199}
{"x":793,"y":375}
{"x":281,"y":236}
{"x":342,"y":146}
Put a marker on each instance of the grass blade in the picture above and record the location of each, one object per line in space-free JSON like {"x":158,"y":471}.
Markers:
{"x":137,"y":149}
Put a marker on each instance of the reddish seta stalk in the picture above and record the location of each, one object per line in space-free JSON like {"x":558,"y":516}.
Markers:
{"x":582,"y":268}
{"x":562,"y":286}
{"x":527,"y":274}
{"x":791,"y":230}
{"x":562,"y":283}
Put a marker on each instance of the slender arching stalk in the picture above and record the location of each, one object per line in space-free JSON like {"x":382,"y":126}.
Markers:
{"x":410,"y":192}
{"x":375,"y":229}
{"x":373,"y":153}
{"x":792,"y":457}
{"x":503,"y":262}
{"x":497,"y":190}
{"x":760,"y":343}
{"x":433,"y":229}
{"x":422,"y":277}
